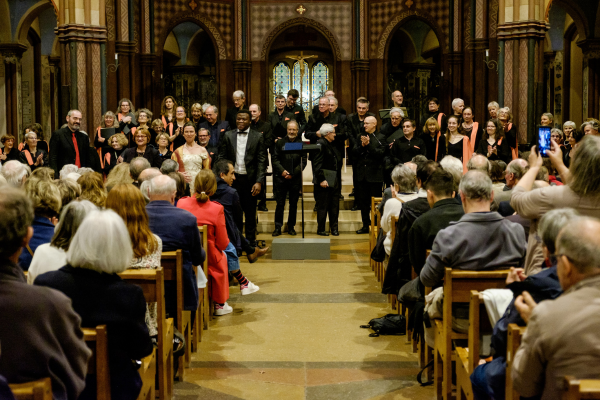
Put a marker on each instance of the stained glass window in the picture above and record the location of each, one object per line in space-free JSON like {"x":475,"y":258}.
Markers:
{"x":320,"y":81}
{"x":281,"y":80}
{"x":305,"y":95}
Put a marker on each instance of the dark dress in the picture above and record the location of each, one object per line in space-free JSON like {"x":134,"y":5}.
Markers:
{"x":503,"y":150}
{"x":23,"y":159}
{"x":432,"y":143}
{"x":110,"y":159}
{"x":150,"y":154}
{"x":105,"y":299}
{"x":165,"y":156}
{"x":13,"y":154}
{"x":456,"y":149}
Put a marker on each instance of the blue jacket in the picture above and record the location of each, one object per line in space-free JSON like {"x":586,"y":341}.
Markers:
{"x":43,"y":230}
{"x":178,"y":229}
{"x":217,"y":131}
{"x":229,"y":198}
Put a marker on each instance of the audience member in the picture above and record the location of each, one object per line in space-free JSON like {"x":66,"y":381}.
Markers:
{"x":66,"y":170}
{"x":39,"y":331}
{"x":181,"y":188}
{"x":497,"y":174}
{"x":514,"y":172}
{"x":52,"y":256}
{"x":480,"y":240}
{"x":455,"y":167}
{"x":15,"y":173}
{"x":99,"y":251}
{"x":92,"y":188}
{"x":169,"y":166}
{"x":119,"y":174}
{"x":547,"y":352}
{"x":43,"y":173}
{"x":479,"y":163}
{"x":136,"y":167}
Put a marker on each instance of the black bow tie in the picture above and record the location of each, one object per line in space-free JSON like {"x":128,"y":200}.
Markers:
{"x":241,"y":132}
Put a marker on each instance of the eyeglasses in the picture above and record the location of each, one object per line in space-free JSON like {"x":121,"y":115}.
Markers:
{"x":140,"y":136}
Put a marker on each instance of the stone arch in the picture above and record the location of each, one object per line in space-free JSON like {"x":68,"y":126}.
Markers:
{"x":273,"y":33}
{"x":5,"y":31}
{"x":204,"y":23}
{"x":398,"y":20}
{"x":579,"y":17}
{"x":29,"y":17}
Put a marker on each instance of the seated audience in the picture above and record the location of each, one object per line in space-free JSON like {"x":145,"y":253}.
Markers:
{"x":181,"y":188}
{"x":119,"y":174}
{"x":9,"y":152}
{"x":136,"y":166}
{"x":101,"y":249}
{"x":513,"y":174}
{"x":69,"y":191}
{"x":455,"y":167}
{"x":43,"y":173}
{"x":480,"y":240}
{"x":15,"y":173}
{"x":66,"y":170}
{"x":144,"y":180}
{"x":479,"y":163}
{"x":52,"y":256}
{"x":177,"y":229}
{"x":581,"y":191}
{"x":39,"y":331}
{"x":169,"y":166}
{"x":46,"y":200}
{"x":489,"y":379}
{"x":497,"y":174}
{"x":444,"y":210}
{"x":562,"y":334}
{"x":33,"y":156}
{"x":92,"y":188}
{"x":142,"y":149}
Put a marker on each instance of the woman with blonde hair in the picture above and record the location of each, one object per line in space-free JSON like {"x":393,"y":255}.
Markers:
{"x":197,"y":116}
{"x":128,"y":202}
{"x":118,"y":144}
{"x":92,"y":188}
{"x":434,"y":140}
{"x":109,"y":120}
{"x":119,"y":174}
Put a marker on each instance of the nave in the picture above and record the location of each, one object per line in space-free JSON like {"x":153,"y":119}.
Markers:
{"x":299,"y":337}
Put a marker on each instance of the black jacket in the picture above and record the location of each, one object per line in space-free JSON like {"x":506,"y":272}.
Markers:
{"x":150,"y":154}
{"x":404,"y":150}
{"x":391,"y":133}
{"x":317,"y":120}
{"x":503,"y":150}
{"x":354,"y":125}
{"x":439,"y":141}
{"x":62,"y":150}
{"x":23,"y":159}
{"x":285,"y":161}
{"x":328,"y":158}
{"x":255,"y":157}
{"x":368,"y":160}
{"x":217,"y":131}
{"x":13,"y":154}
{"x":338,"y":110}
{"x":229,"y":198}
{"x":99,"y":299}
{"x":298,"y":113}
{"x":264,"y":128}
{"x":426,"y":227}
{"x":278,"y":125}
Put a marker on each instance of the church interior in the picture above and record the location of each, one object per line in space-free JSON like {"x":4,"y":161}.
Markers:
{"x":300,"y":336}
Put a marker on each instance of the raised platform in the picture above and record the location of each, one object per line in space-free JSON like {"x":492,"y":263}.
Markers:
{"x":300,"y":249}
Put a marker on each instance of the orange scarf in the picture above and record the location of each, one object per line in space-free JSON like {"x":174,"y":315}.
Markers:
{"x":514,"y":150}
{"x":474,"y":136}
{"x":28,"y":157}
{"x":467,"y":152}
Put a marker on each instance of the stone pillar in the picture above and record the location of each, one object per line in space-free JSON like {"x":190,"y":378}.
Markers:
{"x":455,"y":74}
{"x":241,"y":76}
{"x":360,"y":78}
{"x":591,"y":77}
{"x":10,"y":73}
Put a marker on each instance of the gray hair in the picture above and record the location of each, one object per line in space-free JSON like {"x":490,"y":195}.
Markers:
{"x":67,"y":169}
{"x":569,"y":123}
{"x":71,"y":217}
{"x":101,"y":243}
{"x":29,"y":134}
{"x":15,"y":172}
{"x":397,"y":110}
{"x":517,"y":167}
{"x":74,"y":176}
{"x":326,"y":128}
{"x":455,"y":167}
{"x":456,"y":101}
{"x":334,"y":100}
{"x":585,"y":167}
{"x":84,"y":170}
{"x":205,"y":107}
{"x":551,"y":223}
{"x":136,"y":167}
{"x":169,"y":166}
{"x":480,"y":163}
{"x":257,"y":106}
{"x":405,"y":178}
{"x":556,"y":130}
{"x":494,"y":104}
{"x":476,"y":185}
{"x":549,"y":116}
{"x":70,"y":113}
{"x":17,"y":216}
{"x":162,"y":186}
{"x":578,"y":241}
{"x":215,"y":109}
{"x":239,"y":93}
{"x":293,"y":121}
{"x":593,"y":124}
{"x":144,"y":189}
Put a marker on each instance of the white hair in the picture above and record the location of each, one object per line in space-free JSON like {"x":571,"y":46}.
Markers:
{"x":240,"y":94}
{"x":334,"y":100}
{"x":397,"y":110}
{"x":74,"y":176}
{"x":162,"y":186}
{"x":102,"y":243}
{"x":215,"y":109}
{"x":67,"y":169}
{"x":205,"y":106}
{"x":476,"y":185}
{"x":14,"y":172}
{"x":326,"y":128}
{"x":454,"y":166}
{"x":29,"y":134}
{"x":144,"y":189}
{"x":494,"y":104}
{"x":84,"y":170}
{"x":456,"y":102}
{"x":571,"y":124}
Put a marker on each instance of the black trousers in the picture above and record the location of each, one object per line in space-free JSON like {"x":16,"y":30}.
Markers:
{"x":285,"y":186}
{"x":362,"y":194}
{"x":243,"y":185}
{"x":328,"y":202}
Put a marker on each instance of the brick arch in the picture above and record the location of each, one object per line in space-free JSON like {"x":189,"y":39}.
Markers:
{"x":203,"y":22}
{"x":391,"y":27}
{"x":273,"y":33}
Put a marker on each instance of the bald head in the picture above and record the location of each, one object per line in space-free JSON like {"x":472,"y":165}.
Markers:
{"x":370,"y":124}
{"x":162,"y":187}
{"x":515,"y":171}
{"x":148,"y":174}
{"x":578,"y":246}
{"x":479,"y":163}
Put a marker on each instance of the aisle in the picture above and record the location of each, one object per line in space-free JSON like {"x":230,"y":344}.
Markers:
{"x":299,"y":336}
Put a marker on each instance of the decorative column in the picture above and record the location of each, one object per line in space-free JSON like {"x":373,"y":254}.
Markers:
{"x":359,"y":66}
{"x":591,"y":77}
{"x":10,"y":73}
{"x":455,"y":56}
{"x":241,"y":75}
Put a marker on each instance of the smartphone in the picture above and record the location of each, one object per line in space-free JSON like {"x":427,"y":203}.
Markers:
{"x":544,"y":145}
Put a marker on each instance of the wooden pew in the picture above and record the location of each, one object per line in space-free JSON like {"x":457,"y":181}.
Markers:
{"x":576,"y":389}
{"x":97,"y":341}
{"x":172,"y":263}
{"x":373,"y":233}
{"x":425,"y":352}
{"x":380,"y":273}
{"x":515,"y":334}
{"x":392,"y":298}
{"x":457,"y":289}
{"x":203,"y":302}
{"x":152,"y":283}
{"x":35,"y":390}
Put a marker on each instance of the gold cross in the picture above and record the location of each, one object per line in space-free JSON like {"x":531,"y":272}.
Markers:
{"x":409,"y":3}
{"x":193,"y":5}
{"x":301,"y":9}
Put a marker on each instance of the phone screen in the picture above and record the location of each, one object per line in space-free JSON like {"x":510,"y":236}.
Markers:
{"x":544,"y":144}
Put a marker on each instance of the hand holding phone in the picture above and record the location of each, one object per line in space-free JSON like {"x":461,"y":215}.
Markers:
{"x":544,"y":143}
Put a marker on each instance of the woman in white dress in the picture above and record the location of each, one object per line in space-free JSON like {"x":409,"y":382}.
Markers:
{"x":192,"y":157}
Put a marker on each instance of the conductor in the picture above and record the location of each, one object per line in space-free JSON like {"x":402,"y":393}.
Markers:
{"x":327,"y":178}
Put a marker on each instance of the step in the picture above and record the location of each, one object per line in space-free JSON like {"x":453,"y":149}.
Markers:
{"x":309,"y":202}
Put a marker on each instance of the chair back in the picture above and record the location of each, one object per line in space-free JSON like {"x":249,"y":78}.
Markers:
{"x":515,"y":334}
{"x":35,"y":390}
{"x":97,"y":340}
{"x":201,"y":317}
{"x":576,"y":389}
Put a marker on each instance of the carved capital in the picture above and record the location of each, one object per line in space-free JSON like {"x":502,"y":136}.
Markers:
{"x":148,"y":59}
{"x":590,"y":48}
{"x":242,"y":65}
{"x":81,"y":33}
{"x":12,"y":52}
{"x":359,"y":65}
{"x":523,"y":30}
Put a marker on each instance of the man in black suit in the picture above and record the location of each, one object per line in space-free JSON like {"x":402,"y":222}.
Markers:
{"x":368,"y":163}
{"x":354,"y":127}
{"x":265,"y":129}
{"x":239,"y":102}
{"x":287,"y":172}
{"x":278,"y":120}
{"x":339,"y":110}
{"x":325,"y":116}
{"x":215,"y":127}
{"x":204,"y":141}
{"x":327,"y":178}
{"x":68,"y":145}
{"x":247,"y":148}
{"x":294,"y":108}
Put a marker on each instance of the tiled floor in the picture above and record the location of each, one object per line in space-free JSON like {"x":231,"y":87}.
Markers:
{"x":299,"y":336}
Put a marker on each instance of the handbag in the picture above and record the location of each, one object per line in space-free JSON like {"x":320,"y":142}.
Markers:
{"x":378,"y":253}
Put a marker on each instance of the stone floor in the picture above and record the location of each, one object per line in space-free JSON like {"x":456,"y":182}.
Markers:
{"x":299,"y":336}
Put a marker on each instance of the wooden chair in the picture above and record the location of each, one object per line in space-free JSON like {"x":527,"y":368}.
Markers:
{"x":378,"y":264}
{"x":373,"y":233}
{"x":172,"y":263}
{"x":97,"y":341}
{"x":152,"y":283}
{"x":203,"y":302}
{"x":515,"y":334}
{"x":35,"y":390}
{"x":425,"y":352}
{"x":392,"y":298}
{"x":576,"y":389}
{"x":457,"y":289}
